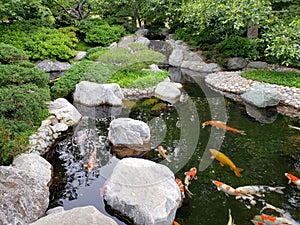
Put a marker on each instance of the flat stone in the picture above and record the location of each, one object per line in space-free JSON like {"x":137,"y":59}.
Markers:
{"x":167,"y":91}
{"x":76,"y":216}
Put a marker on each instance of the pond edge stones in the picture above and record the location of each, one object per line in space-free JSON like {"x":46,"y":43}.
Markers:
{"x":129,"y":137}
{"x":143,"y":191}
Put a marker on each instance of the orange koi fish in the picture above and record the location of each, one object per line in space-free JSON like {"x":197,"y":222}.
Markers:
{"x":224,"y":160}
{"x":181,"y":187}
{"x":189,"y":176}
{"x":271,"y":219}
{"x":176,"y":223}
{"x":163,"y":153}
{"x":92,"y":160}
{"x":228,"y":190}
{"x":262,"y":223}
{"x":223,"y":126}
{"x":293,"y":179}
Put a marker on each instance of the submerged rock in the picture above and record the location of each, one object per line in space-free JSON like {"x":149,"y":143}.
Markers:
{"x":143,"y":191}
{"x":23,"y":199}
{"x":93,"y":94}
{"x":262,"y":115}
{"x":129,"y":137}
{"x":80,"y":215}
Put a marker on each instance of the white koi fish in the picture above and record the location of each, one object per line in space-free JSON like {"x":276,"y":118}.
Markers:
{"x":259,"y":190}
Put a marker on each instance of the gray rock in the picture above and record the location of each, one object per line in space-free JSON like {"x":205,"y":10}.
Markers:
{"x":236,"y":63}
{"x":261,"y":96}
{"x":113,"y":45}
{"x":129,"y":137}
{"x":35,"y":165}
{"x":23,"y":198}
{"x":257,"y":65}
{"x":201,"y":67}
{"x":76,"y":216}
{"x":164,"y":32}
{"x":143,"y":40}
{"x":125,"y":41}
{"x":162,"y":47}
{"x":64,"y":111}
{"x":176,"y":58}
{"x":79,"y":55}
{"x":144,"y":191}
{"x":93,"y":94}
{"x":167,"y":91}
{"x":55,"y":210}
{"x":142,"y":32}
{"x":50,"y":66}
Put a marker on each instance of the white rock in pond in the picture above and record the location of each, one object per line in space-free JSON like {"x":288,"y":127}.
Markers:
{"x":80,"y":215}
{"x":64,"y":111}
{"x":35,"y":166}
{"x":127,"y":131}
{"x":144,"y":191}
{"x":167,"y":91}
{"x":93,"y":94}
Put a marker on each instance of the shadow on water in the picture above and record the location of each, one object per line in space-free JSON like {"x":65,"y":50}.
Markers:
{"x":263,"y":153}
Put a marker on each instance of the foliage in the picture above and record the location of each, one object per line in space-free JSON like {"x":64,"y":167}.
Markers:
{"x":135,"y":46}
{"x":238,"y":46}
{"x":23,"y":93}
{"x":282,"y":43}
{"x":66,"y":84}
{"x":99,"y":73}
{"x":39,"y":42}
{"x":148,"y":57}
{"x":94,"y":53}
{"x":137,"y":79}
{"x":285,"y":78}
{"x":97,"y":32}
{"x":118,"y":56}
{"x":11,"y":55}
{"x":15,"y":75}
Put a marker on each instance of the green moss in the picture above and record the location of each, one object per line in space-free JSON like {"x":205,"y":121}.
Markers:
{"x":285,"y":78}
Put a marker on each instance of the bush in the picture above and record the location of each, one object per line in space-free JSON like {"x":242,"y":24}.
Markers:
{"x":66,"y":84}
{"x":148,"y":80}
{"x":135,"y":46}
{"x":238,"y":46}
{"x":286,"y":78}
{"x":94,"y":53}
{"x":119,"y":56}
{"x":281,"y":43}
{"x":99,"y":73}
{"x":39,"y":42}
{"x":97,"y":32}
{"x":15,"y":75}
{"x":10,"y":54}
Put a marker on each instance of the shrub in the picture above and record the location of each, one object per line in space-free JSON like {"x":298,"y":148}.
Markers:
{"x":10,"y":54}
{"x":282,"y":43}
{"x":286,"y":78}
{"x":99,"y":73}
{"x":135,"y":46}
{"x":66,"y":84}
{"x":238,"y":46}
{"x":94,"y":53}
{"x":15,"y":75}
{"x":119,"y":56}
{"x":39,"y":42}
{"x":97,"y":32}
{"x":148,"y":80}
{"x":148,"y":57}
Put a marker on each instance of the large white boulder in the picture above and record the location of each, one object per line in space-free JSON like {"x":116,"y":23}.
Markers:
{"x":143,"y":191}
{"x":93,"y":94}
{"x":167,"y":91}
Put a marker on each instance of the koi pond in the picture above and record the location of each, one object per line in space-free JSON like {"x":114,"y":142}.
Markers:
{"x":266,"y":153}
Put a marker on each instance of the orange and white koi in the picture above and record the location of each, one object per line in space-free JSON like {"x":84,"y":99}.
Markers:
{"x":224,"y":160}
{"x":223,"y":126}
{"x":297,"y":128}
{"x":293,"y":179}
{"x":259,"y":190}
{"x":181,"y":187}
{"x":262,"y":223}
{"x":189,"y":176}
{"x":228,"y":190}
{"x":163,"y":153}
{"x":92,"y":160}
{"x":271,"y":219}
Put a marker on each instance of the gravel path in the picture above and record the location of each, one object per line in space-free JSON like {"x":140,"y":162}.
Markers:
{"x":231,"y":84}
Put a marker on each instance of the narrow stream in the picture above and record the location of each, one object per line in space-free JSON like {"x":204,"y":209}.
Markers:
{"x":263,"y":153}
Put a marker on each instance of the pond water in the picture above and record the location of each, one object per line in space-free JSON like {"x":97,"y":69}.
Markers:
{"x":262,"y":152}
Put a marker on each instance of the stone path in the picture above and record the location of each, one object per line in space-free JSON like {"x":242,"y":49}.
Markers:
{"x":232,"y":85}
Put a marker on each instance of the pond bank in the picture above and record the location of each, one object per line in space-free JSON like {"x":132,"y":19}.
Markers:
{"x":232,"y":85}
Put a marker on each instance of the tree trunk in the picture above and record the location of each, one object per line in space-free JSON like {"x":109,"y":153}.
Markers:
{"x":252,"y":31}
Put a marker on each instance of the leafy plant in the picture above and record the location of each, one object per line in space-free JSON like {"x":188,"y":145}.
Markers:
{"x":286,"y":78}
{"x":135,"y":46}
{"x":66,"y":84}
{"x":10,"y":54}
{"x":94,"y":53}
{"x":119,"y":56}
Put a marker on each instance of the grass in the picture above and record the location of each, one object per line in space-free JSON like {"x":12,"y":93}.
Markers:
{"x":285,"y":78}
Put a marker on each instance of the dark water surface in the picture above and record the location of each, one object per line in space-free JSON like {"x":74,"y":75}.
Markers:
{"x":261,"y":152}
